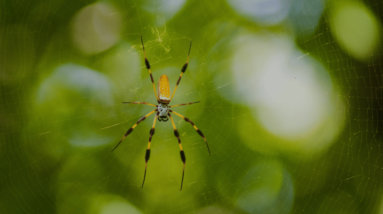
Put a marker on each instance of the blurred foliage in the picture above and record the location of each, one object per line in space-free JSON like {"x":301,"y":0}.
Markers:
{"x":66,"y":66}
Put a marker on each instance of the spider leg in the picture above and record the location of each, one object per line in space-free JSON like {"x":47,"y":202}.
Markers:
{"x":147,"y":155}
{"x":183,"y":158}
{"x":182,"y":72}
{"x":145,"y":103}
{"x":195,"y":127}
{"x":148,"y":67}
{"x":184,"y":104}
{"x":134,"y":126}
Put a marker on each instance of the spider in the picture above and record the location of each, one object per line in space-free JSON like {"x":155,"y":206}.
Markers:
{"x":163,"y":112}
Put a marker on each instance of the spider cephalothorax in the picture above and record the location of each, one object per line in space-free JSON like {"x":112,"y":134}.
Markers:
{"x":163,"y":111}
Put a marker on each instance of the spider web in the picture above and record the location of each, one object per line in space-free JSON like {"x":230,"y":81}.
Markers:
{"x":291,"y":106}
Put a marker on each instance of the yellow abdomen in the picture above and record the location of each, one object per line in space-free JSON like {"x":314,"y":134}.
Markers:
{"x":163,"y":89}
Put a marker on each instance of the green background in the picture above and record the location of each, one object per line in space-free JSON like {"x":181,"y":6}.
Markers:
{"x":66,"y":66}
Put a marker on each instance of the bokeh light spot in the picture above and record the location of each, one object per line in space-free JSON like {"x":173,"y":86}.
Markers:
{"x":164,"y":9}
{"x":265,"y":12}
{"x":96,"y":28}
{"x":111,"y":204}
{"x":269,"y":189}
{"x":355,"y":28}
{"x":88,"y":87}
{"x":291,"y":95}
{"x":118,"y":207}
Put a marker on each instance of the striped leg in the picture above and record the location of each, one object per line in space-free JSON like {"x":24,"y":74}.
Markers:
{"x":148,"y":67}
{"x":184,"y":104}
{"x":145,"y":103}
{"x":147,"y":155}
{"x":183,"y":158}
{"x":182,"y":72}
{"x":195,"y":127}
{"x":134,"y":126}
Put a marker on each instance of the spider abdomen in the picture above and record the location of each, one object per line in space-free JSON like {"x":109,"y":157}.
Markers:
{"x":164,"y":89}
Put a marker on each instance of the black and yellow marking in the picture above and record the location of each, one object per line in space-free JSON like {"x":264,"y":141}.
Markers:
{"x":182,"y":71}
{"x":195,"y":127}
{"x":134,"y":126}
{"x":147,"y":154}
{"x":183,"y":158}
{"x":145,"y":103}
{"x":176,"y":133}
{"x":184,"y":104}
{"x":148,"y":67}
